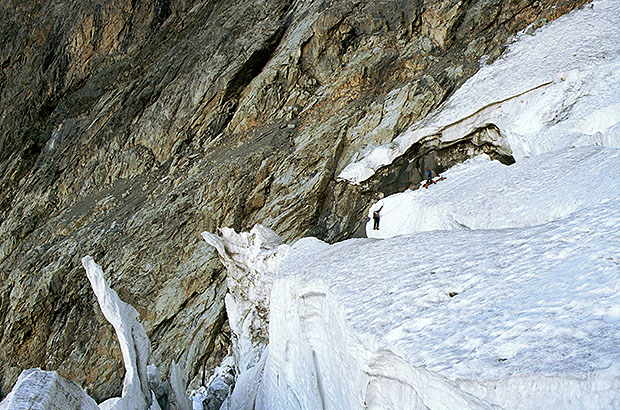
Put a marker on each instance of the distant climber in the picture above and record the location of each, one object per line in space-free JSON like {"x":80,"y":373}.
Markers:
{"x":375,"y":217}
{"x":428,"y":183}
{"x":430,"y":180}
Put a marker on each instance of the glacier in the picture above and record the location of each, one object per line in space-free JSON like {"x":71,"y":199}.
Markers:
{"x":485,"y":194}
{"x":497,"y":287}
{"x":481,"y":318}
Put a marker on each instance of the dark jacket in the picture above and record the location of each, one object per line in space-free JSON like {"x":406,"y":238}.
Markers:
{"x":375,"y":214}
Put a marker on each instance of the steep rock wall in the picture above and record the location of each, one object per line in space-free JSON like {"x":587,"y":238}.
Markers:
{"x":127,"y":128}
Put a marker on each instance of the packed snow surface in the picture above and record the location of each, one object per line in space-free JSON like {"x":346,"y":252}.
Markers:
{"x":503,"y":293}
{"x":484,"y":194}
{"x":526,"y":310}
{"x":550,"y":90}
{"x":545,"y":298}
{"x":496,"y":287}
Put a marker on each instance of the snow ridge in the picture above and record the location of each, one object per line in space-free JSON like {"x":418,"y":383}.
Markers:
{"x":484,"y":194}
{"x":551,"y":90}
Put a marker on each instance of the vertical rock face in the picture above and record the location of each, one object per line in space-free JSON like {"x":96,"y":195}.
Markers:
{"x":127,"y":128}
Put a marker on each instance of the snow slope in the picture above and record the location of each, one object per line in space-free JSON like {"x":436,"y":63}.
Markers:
{"x":498,"y":287}
{"x":515,"y":317}
{"x":508,"y":297}
{"x":484,"y":194}
{"x":534,"y":312}
{"x":519,"y":311}
{"x":554,"y":89}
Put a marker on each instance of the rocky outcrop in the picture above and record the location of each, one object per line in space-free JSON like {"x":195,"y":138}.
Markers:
{"x":131,"y":127}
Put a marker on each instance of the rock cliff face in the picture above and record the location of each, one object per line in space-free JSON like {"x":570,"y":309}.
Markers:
{"x":127,"y":128}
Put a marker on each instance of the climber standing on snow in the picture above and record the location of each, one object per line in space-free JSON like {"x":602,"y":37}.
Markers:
{"x":429,"y":178}
{"x":375,"y":218}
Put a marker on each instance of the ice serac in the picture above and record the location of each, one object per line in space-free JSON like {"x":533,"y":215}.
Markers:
{"x":37,"y":389}
{"x":160,"y":389}
{"x":134,"y":343}
{"x":251,"y":259}
{"x":315,"y":361}
{"x":178,"y":398}
{"x":217,"y":390}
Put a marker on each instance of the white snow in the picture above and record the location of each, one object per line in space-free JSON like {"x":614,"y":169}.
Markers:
{"x":484,"y":194}
{"x":251,"y":259}
{"x":554,"y":89}
{"x":534,"y":312}
{"x":508,"y":297}
{"x":514,"y":317}
{"x":498,"y":287}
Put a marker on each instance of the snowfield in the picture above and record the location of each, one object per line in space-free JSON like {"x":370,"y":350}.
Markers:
{"x":517,"y":312}
{"x":523,"y":317}
{"x":498,"y":287}
{"x":485,"y":194}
